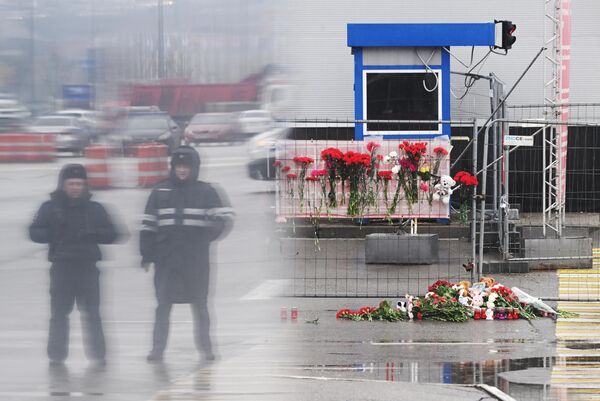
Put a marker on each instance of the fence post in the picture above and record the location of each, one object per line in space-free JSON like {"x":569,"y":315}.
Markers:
{"x":474,"y":206}
{"x":483,"y":195}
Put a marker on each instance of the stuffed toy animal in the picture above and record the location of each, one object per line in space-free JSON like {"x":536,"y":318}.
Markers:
{"x":409,"y":306}
{"x":477,"y":301}
{"x":443,"y":189}
{"x":401,"y":306}
{"x":488,"y":281}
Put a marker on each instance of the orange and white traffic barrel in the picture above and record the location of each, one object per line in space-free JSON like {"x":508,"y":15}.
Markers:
{"x":152,"y":163}
{"x":97,"y":165}
{"x":27,"y":148}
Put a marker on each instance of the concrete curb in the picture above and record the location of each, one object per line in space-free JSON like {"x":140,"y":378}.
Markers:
{"x":494,"y":392}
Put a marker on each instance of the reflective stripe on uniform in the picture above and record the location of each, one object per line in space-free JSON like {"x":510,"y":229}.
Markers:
{"x":166,"y":222}
{"x":166,"y":210}
{"x":146,"y":227}
{"x":221,"y":211}
{"x":149,"y":217}
{"x":196,"y":223}
{"x":195,"y":212}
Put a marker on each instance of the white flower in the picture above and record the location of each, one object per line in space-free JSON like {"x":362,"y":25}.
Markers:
{"x":386,"y":159}
{"x":396,"y":169}
{"x":393,"y":154}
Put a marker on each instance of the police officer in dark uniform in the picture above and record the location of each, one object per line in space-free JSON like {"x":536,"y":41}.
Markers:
{"x":182,"y":217}
{"x":73,"y":226}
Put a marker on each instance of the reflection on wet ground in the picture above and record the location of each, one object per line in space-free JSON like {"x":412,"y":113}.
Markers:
{"x":525,"y":386}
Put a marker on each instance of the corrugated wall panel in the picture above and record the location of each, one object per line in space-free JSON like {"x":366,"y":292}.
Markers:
{"x":322,"y":66}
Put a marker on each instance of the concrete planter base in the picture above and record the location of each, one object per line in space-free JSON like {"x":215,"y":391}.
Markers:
{"x":419,"y":249}
{"x":579,"y":248}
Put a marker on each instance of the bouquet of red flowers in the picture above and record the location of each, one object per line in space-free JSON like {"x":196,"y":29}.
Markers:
{"x":334,"y":160}
{"x":466,"y":182}
{"x":303,"y":162}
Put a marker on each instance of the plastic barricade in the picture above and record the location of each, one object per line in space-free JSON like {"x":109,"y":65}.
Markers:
{"x":27,"y":148}
{"x":98,"y":165}
{"x":152,"y":163}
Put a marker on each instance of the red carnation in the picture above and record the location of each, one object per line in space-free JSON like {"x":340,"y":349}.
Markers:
{"x":440,"y":151}
{"x":285,"y":169}
{"x":385,"y":174}
{"x":371,"y":146}
{"x":292,"y":176}
{"x":277,"y":163}
{"x":303,"y":160}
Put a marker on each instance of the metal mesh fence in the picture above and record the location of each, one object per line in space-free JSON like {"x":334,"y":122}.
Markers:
{"x":348,"y":233}
{"x":334,"y":250}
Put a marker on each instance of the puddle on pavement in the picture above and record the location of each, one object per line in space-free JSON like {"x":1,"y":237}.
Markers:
{"x":468,"y":373}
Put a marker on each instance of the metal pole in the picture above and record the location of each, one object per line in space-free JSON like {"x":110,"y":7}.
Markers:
{"x":491,"y":117}
{"x":32,"y":50}
{"x":483,"y":196}
{"x":474,"y":207}
{"x":544,"y":182}
{"x":493,"y":102}
{"x":161,"y":42}
{"x":504,"y":210}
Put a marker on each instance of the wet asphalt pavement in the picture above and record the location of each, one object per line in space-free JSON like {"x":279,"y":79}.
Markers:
{"x":259,"y":356}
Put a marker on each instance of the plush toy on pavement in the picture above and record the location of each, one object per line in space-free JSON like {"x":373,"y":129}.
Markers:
{"x":443,"y":189}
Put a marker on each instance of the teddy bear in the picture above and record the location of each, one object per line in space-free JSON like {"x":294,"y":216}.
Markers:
{"x":488,"y":281}
{"x":443,"y":189}
{"x":489,"y":313}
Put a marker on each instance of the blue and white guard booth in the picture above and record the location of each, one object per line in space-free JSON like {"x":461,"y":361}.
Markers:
{"x":402,"y":72}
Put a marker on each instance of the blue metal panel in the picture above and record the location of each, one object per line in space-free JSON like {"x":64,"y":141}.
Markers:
{"x":427,"y":35}
{"x":445,"y":92}
{"x":405,"y":136}
{"x":358,"y":93}
{"x":400,"y":67}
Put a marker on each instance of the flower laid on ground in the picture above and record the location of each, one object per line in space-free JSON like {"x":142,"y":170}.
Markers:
{"x":466,"y":182}
{"x":449,"y":302}
{"x":383,"y":311}
{"x":304,"y":162}
{"x":333,"y":159}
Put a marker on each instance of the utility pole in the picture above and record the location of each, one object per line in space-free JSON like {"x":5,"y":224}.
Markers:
{"x":161,"y":42}
{"x":32,"y":52}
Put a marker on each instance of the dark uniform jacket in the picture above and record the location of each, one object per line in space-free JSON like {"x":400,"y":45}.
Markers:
{"x":72,"y":228}
{"x":181,"y":220}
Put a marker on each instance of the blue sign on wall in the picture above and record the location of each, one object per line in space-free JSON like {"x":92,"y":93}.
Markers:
{"x":78,"y":96}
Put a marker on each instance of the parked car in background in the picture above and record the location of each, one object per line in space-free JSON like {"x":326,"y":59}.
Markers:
{"x":146,"y":127}
{"x":71,"y":134}
{"x":261,"y":153}
{"x":12,"y":109}
{"x":88,"y":118}
{"x":210,"y":127}
{"x":252,"y":122}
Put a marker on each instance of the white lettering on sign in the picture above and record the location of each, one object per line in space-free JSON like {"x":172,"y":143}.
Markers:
{"x":518,"y":140}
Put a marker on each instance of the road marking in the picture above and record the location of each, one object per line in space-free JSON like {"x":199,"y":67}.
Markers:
{"x":268,"y":289}
{"x":579,"y":379}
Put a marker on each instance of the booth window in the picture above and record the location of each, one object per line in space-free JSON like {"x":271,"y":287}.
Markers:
{"x":400,"y":95}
